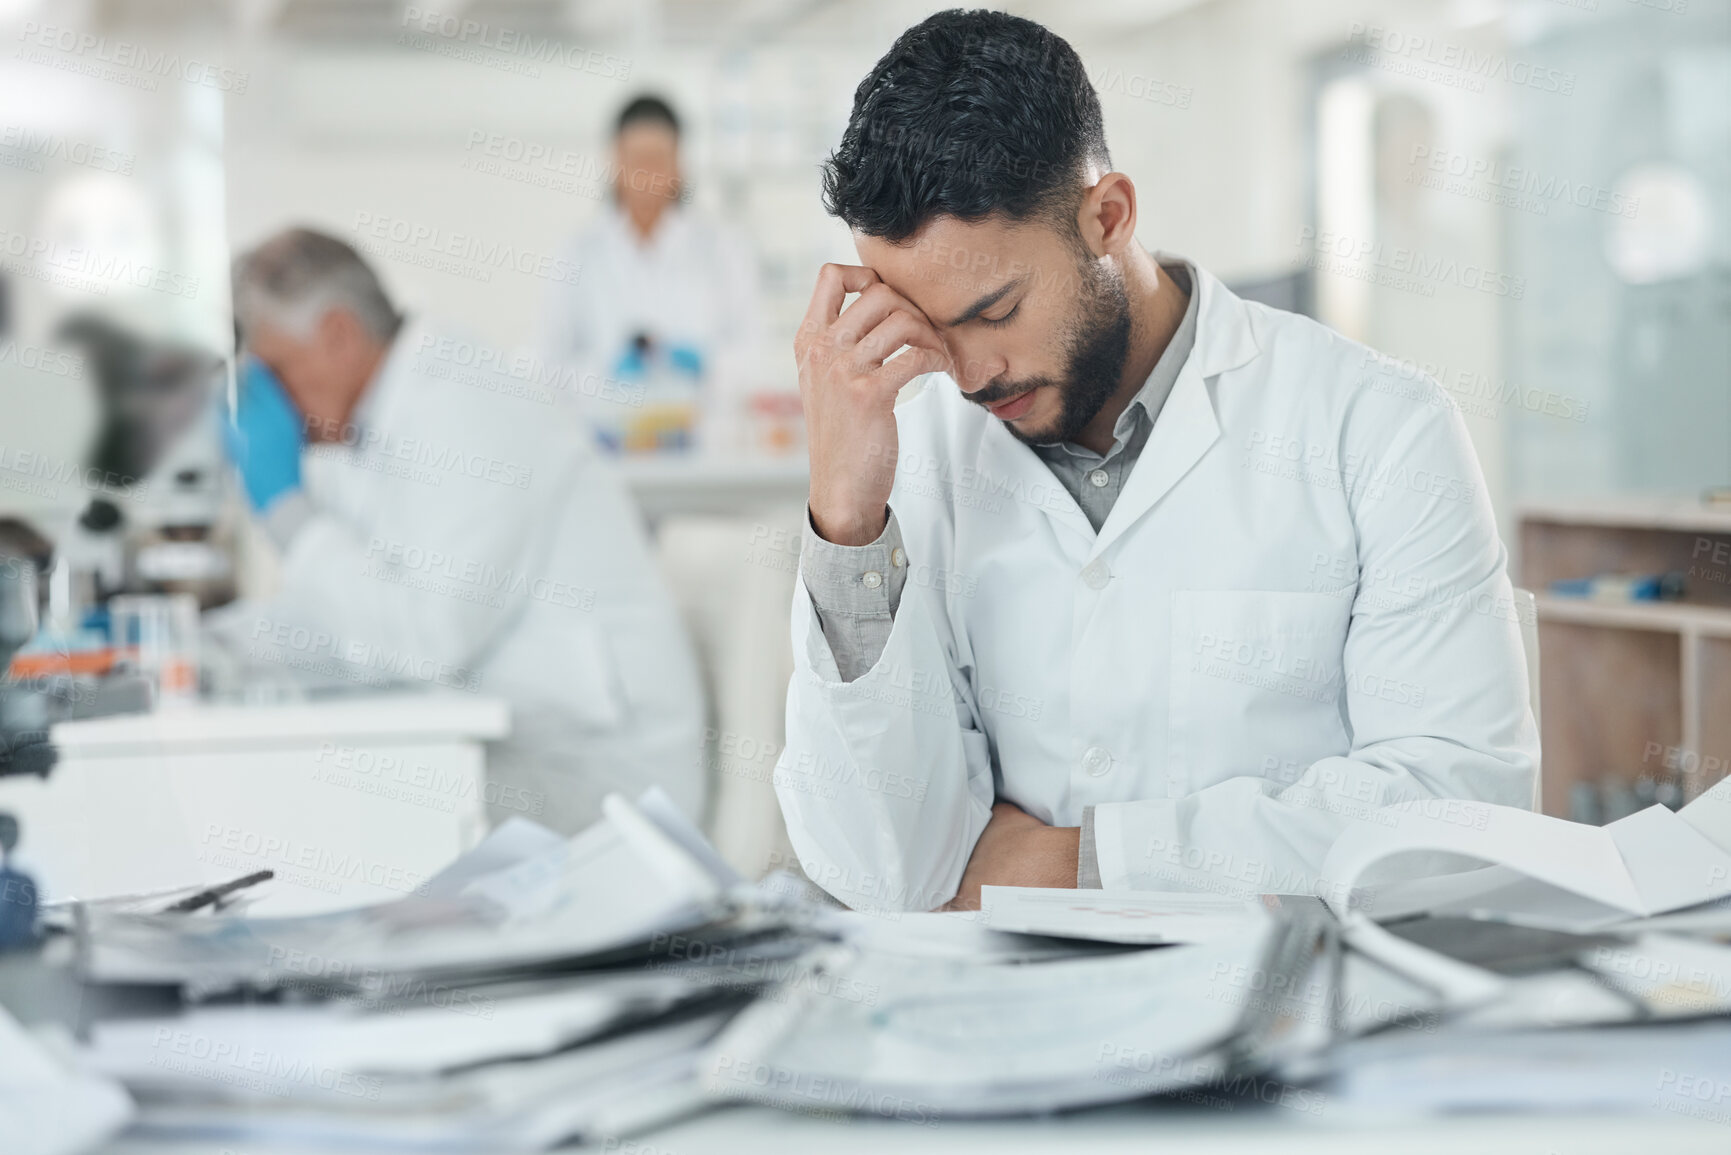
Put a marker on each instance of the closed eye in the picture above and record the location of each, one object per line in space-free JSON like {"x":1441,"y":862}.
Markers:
{"x":1004,"y":320}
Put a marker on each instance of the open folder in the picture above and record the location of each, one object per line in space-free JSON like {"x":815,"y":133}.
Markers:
{"x":1543,"y":871}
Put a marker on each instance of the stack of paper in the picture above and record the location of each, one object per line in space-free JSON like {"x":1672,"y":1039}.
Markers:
{"x":1476,"y":990}
{"x":1675,"y":1069}
{"x":613,"y":1085}
{"x":545,"y":989}
{"x":524,"y":897}
{"x":539,"y":990}
{"x":920,"y":1038}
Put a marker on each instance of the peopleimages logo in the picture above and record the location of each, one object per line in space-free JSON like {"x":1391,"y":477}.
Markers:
{"x":87,"y":47}
{"x":1495,"y":176}
{"x":375,"y":449}
{"x":38,"y":146}
{"x":80,"y":266}
{"x":253,"y":846}
{"x":52,"y":474}
{"x":1428,"y":58}
{"x":43,"y":360}
{"x":462,"y":32}
{"x":1366,"y":259}
{"x":461,"y":253}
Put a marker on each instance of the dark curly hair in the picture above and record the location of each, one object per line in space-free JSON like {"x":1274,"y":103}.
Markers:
{"x":969,"y":114}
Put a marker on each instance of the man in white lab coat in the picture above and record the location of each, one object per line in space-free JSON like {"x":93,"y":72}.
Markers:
{"x":661,"y":287}
{"x":1148,"y":586}
{"x":436,"y":532}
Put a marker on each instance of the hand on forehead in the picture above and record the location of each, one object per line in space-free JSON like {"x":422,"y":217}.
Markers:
{"x":955,"y":271}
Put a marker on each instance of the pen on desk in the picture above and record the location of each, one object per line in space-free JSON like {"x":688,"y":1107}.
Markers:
{"x":222,"y":890}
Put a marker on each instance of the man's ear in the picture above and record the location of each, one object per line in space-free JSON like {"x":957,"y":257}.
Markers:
{"x":1107,"y":216}
{"x":341,"y":329}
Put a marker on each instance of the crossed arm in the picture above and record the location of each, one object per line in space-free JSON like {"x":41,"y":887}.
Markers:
{"x":1017,"y":849}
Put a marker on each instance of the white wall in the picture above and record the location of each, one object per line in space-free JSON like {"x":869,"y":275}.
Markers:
{"x":1207,"y":109}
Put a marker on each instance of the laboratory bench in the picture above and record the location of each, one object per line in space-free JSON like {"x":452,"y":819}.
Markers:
{"x":350,"y":799}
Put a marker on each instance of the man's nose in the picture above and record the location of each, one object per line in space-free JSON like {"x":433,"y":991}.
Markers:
{"x":975,"y":370}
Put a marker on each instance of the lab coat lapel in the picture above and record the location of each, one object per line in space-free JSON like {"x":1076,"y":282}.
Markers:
{"x":1010,"y":469}
{"x":1187,"y":425}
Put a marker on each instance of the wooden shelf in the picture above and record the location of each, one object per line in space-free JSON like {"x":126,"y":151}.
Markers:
{"x":1681,"y":514}
{"x":1664,"y":617}
{"x":1631,"y":689}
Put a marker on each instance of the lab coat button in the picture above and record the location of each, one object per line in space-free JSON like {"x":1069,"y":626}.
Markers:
{"x":1098,"y":478}
{"x":872,"y":579}
{"x":1096,"y":575}
{"x":1096,"y":761}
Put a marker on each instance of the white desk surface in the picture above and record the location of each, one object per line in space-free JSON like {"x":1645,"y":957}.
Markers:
{"x":1140,"y":1129}
{"x":422,"y":717}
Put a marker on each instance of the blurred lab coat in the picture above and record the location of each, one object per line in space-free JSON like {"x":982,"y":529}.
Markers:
{"x":457,"y":539}
{"x":692,"y":286}
{"x":1297,"y":611}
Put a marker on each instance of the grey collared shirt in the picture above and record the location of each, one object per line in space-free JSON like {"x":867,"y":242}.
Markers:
{"x":1095,"y":481}
{"x":856,"y":589}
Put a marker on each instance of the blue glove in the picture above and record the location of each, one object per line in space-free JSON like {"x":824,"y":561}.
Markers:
{"x":686,"y":359}
{"x":631,"y":364}
{"x":264,"y":438}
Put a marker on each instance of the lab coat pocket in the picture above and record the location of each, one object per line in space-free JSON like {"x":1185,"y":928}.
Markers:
{"x":1256,"y":681}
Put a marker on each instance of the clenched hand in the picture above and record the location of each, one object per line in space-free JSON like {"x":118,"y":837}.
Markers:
{"x":848,"y":379}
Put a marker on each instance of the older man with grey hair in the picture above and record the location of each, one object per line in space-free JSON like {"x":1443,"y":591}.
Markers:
{"x":436,"y":527}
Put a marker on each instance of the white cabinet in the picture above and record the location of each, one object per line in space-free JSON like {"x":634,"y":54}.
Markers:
{"x":349,"y":801}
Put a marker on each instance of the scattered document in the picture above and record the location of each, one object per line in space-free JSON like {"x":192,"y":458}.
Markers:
{"x":1143,"y":918}
{"x":921,"y":1039}
{"x":543,"y":990}
{"x":1670,"y":976}
{"x":1630,"y":1068}
{"x":453,"y":1027}
{"x":588,"y":1093}
{"x":521,"y":898}
{"x":963,"y":936}
{"x":1545,"y":872}
{"x":539,"y":990}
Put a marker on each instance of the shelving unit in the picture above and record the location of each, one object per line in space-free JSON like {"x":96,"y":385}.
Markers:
{"x":1631,"y":689}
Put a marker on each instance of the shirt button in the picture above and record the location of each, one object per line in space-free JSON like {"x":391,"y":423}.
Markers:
{"x":1096,"y":575}
{"x":872,"y":579}
{"x":1097,"y":760}
{"x":1098,"y":478}
{"x":898,"y":558}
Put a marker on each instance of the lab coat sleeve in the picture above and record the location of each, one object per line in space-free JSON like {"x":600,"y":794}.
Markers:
{"x":419,"y":605}
{"x":886,"y":781}
{"x":856,"y":613}
{"x":1432,"y":614}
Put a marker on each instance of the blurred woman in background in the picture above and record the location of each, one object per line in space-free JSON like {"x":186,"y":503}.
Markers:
{"x":666,"y":306}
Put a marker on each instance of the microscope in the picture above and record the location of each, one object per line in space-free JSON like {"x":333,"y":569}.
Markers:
{"x":25,"y":715}
{"x":26,"y":710}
